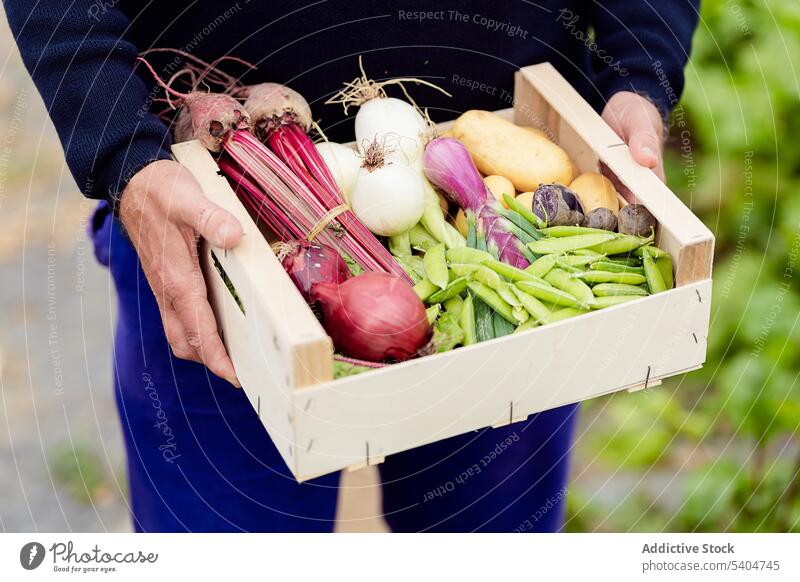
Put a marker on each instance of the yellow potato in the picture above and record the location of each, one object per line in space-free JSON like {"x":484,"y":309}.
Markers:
{"x":523,"y":156}
{"x":595,"y":191}
{"x":498,"y":186}
{"x":526,"y":199}
{"x":461,"y":222}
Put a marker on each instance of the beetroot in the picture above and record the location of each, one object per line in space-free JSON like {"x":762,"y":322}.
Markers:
{"x":272,"y":105}
{"x":207,"y":117}
{"x":309,"y":263}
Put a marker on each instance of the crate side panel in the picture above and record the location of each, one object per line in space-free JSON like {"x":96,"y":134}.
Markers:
{"x":489,"y":384}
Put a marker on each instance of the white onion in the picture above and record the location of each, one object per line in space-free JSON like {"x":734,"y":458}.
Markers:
{"x":395,"y":124}
{"x":343,"y":162}
{"x":388,"y":199}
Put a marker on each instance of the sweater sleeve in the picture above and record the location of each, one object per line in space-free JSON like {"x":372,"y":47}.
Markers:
{"x":645,"y":46}
{"x":83,"y":69}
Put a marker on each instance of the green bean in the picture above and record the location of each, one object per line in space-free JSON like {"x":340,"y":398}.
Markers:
{"x":425,"y":289}
{"x":467,"y":321}
{"x":622,"y":244}
{"x":493,"y":300}
{"x":564,"y":231}
{"x":542,"y":265}
{"x":503,"y":289}
{"x":570,"y":243}
{"x":549,"y":293}
{"x":611,"y":300}
{"x":530,"y":324}
{"x":613,"y":289}
{"x":610,"y":277}
{"x":561,"y":279}
{"x":521,"y":314}
{"x":523,"y":236}
{"x":513,"y":273}
{"x":436,"y":266}
{"x":468,"y":255}
{"x":454,"y":305}
{"x":452,"y":289}
{"x":566,"y":313}
{"x":655,"y":282}
{"x":615,"y":267}
{"x":420,"y":238}
{"x":533,"y":306}
{"x":433,"y":312}
{"x":526,"y":213}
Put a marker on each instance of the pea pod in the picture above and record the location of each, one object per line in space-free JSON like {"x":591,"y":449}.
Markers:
{"x":493,"y":300}
{"x":615,"y":289}
{"x":566,"y":313}
{"x":530,"y":324}
{"x":651,"y":250}
{"x":425,"y":289}
{"x":436,"y":266}
{"x":580,"y":260}
{"x":565,"y":266}
{"x":432,"y":312}
{"x":587,"y":253}
{"x":610,"y":277}
{"x":538,"y":311}
{"x":468,"y":255}
{"x":610,"y":301}
{"x":547,"y":246}
{"x":622,"y":244}
{"x":454,"y":305}
{"x":627,"y":261}
{"x":615,"y":267}
{"x":664,"y":265}
{"x":655,"y":282}
{"x":566,"y":230}
{"x":467,"y":321}
{"x":521,"y":314}
{"x":563,"y":280}
{"x":485,"y":275}
{"x":420,"y":238}
{"x":542,"y":265}
{"x":526,"y":213}
{"x":549,"y":294}
{"x":456,"y":287}
{"x":512,"y":273}
{"x":504,"y":291}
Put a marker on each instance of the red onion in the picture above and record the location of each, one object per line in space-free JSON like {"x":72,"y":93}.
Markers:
{"x":309,"y":263}
{"x":375,"y":317}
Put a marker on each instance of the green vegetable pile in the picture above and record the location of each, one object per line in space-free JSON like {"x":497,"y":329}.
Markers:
{"x":473,"y":296}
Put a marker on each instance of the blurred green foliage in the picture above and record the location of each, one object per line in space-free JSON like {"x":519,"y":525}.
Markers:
{"x":719,"y":449}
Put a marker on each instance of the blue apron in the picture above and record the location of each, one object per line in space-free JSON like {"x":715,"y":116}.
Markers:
{"x":199,"y":459}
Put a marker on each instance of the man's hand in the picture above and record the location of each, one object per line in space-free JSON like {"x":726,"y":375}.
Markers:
{"x":637,"y":121}
{"x":165,"y":213}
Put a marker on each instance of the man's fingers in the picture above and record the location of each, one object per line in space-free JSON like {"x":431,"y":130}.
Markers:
{"x":637,"y":121}
{"x":176,"y":336}
{"x":200,"y":331}
{"x":645,"y":146}
{"x":217,"y":226}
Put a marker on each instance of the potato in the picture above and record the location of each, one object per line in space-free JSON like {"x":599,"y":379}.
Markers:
{"x":499,"y":147}
{"x":595,"y":191}
{"x":635,"y":219}
{"x":461,"y":222}
{"x":526,"y":199}
{"x":498,"y":185}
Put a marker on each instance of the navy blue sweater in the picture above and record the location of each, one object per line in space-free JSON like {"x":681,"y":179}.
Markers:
{"x":81,"y":53}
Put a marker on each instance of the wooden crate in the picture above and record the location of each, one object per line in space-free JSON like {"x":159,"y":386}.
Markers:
{"x":284,"y":358}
